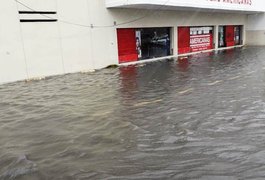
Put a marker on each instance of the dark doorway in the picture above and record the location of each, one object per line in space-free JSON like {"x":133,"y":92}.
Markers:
{"x":221,"y":36}
{"x":238,"y":35}
{"x":229,"y":36}
{"x":155,"y":42}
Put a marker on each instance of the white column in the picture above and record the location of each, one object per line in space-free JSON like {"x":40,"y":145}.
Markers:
{"x":216,"y":36}
{"x":175,"y":39}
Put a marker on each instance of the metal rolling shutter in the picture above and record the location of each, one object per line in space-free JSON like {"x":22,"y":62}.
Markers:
{"x":127,"y":45}
{"x":230,"y":36}
{"x":183,"y":40}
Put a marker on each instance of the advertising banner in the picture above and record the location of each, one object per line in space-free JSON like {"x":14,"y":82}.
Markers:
{"x":201,"y":42}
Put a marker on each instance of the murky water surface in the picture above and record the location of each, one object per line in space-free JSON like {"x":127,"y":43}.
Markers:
{"x":198,"y":118}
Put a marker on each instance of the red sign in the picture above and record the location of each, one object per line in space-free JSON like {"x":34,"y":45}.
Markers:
{"x":201,"y":42}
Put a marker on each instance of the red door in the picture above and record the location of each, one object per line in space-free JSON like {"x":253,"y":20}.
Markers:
{"x":229,"y":36}
{"x":127,"y":45}
{"x":183,"y":40}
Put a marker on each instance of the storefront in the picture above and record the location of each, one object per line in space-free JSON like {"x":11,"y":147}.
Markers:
{"x":229,"y":36}
{"x":194,"y":39}
{"x":136,"y":44}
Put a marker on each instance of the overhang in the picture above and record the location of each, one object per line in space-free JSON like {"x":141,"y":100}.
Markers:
{"x":232,"y":6}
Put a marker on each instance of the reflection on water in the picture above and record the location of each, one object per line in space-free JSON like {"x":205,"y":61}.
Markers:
{"x":198,"y":118}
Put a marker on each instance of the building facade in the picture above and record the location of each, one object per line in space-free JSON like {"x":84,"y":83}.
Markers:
{"x":50,"y":37}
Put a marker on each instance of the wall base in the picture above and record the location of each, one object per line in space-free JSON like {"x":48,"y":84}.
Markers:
{"x":255,"y":37}
{"x":176,"y":56}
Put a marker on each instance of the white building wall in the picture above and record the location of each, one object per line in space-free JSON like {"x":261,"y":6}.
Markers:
{"x":256,"y":29}
{"x":104,"y":40}
{"x":75,"y":41}
{"x":36,"y":49}
{"x":12,"y":60}
{"x":41,"y":41}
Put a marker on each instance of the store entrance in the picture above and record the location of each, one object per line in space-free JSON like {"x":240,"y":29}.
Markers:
{"x":221,"y":36}
{"x":229,"y":36}
{"x":153,"y":42}
{"x":238,"y":35}
{"x":195,"y":39}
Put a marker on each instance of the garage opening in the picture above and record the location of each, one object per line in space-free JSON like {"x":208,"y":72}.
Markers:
{"x":238,"y":35}
{"x":143,"y":43}
{"x":194,"y":39}
{"x":154,"y":42}
{"x":230,"y":36}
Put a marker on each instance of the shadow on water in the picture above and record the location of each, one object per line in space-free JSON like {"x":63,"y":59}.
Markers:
{"x":200,"y":117}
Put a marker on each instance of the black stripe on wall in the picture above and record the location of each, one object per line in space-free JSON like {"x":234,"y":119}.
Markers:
{"x":36,"y":12}
{"x":37,"y":20}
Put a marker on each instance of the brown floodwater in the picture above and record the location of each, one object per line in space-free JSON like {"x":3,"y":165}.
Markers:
{"x":202,"y":117}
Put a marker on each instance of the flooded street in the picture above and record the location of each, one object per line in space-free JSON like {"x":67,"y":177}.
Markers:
{"x":196,"y":118}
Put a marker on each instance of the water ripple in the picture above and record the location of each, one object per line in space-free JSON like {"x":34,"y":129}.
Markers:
{"x":197,"y":118}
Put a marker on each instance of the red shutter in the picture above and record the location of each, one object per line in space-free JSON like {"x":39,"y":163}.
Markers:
{"x":230,"y":36}
{"x":127,"y":45}
{"x":183,"y":40}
